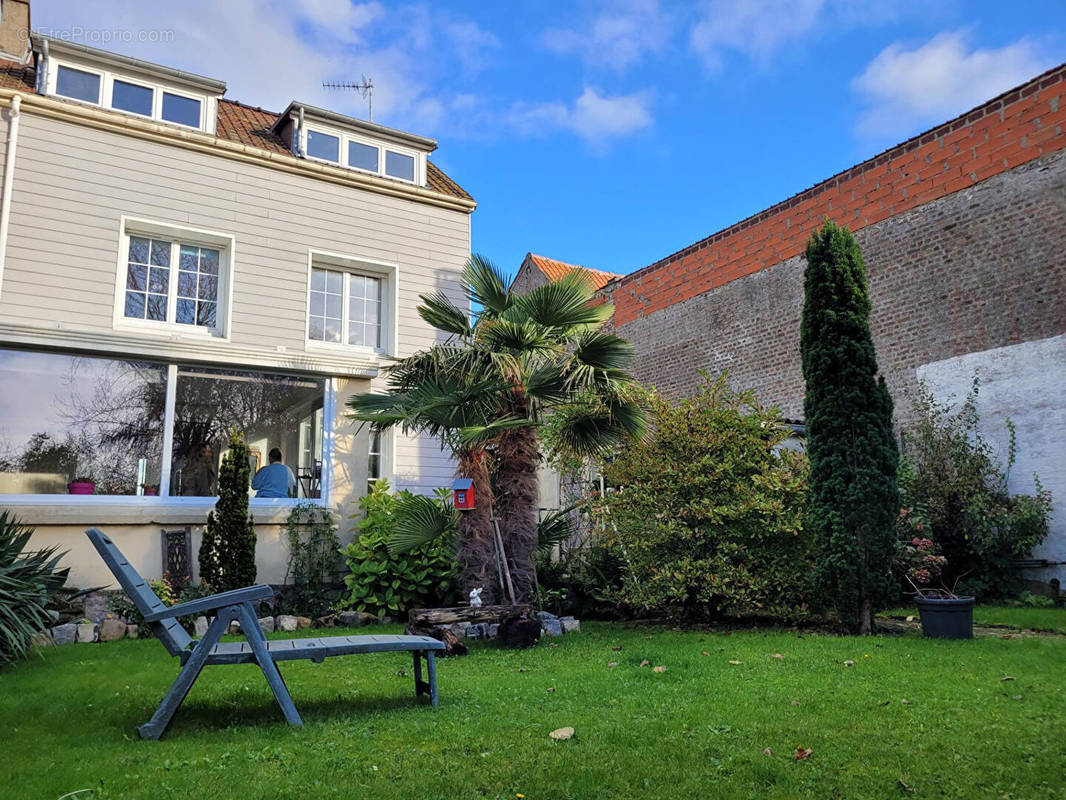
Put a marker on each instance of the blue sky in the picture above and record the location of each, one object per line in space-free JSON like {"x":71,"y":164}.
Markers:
{"x":608,"y":134}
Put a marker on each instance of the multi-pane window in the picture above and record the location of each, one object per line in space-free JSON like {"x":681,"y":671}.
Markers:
{"x":355,"y":154}
{"x":168,"y":281}
{"x":345,"y":308}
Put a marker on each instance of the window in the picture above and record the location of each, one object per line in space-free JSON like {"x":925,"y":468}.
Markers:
{"x":132,"y":97}
{"x":97,"y":420}
{"x":373,"y":467}
{"x":362,"y":156}
{"x":78,"y":84}
{"x":141,"y":95}
{"x":398,"y":165}
{"x":324,"y":146}
{"x":272,"y":410}
{"x":345,"y":308}
{"x":171,"y":281}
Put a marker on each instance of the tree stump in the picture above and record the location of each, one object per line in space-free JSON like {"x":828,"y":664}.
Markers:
{"x":519,"y":631}
{"x":452,"y":645}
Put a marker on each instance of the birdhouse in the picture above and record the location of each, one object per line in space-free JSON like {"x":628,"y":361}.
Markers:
{"x":463,"y":493}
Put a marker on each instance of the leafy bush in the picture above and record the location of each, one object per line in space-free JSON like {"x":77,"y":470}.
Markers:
{"x":585,"y":581}
{"x":708,"y":516}
{"x":954,"y":476}
{"x":28,"y":581}
{"x":227,"y":549}
{"x":120,"y":603}
{"x":314,"y":556}
{"x":383,"y":582}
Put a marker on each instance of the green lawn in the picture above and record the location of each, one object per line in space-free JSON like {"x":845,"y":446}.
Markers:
{"x":697,"y":730}
{"x":1041,"y":619}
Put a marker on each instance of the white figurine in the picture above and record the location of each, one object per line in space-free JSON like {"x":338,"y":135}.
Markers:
{"x":475,"y":597}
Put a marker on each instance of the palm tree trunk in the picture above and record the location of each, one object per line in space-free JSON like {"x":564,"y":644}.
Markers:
{"x":475,"y":551}
{"x":516,"y":505}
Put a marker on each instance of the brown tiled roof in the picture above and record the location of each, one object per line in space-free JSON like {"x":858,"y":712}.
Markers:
{"x":556,"y":269}
{"x":236,"y":122}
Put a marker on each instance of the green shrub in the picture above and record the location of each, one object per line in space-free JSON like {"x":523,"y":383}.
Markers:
{"x":381,"y":582}
{"x":227,"y":549}
{"x":584,"y":582}
{"x":953,"y":475}
{"x":28,"y":581}
{"x":708,"y":513}
{"x":314,"y":557}
{"x":121,"y":604}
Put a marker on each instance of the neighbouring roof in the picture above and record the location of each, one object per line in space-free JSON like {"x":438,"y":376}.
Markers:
{"x":236,"y":122}
{"x":554,"y":270}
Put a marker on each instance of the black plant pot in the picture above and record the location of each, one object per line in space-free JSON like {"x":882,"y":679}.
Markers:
{"x":946,"y":617}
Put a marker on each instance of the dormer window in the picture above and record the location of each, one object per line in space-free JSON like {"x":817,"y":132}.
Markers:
{"x":362,"y":154}
{"x":115,"y":82}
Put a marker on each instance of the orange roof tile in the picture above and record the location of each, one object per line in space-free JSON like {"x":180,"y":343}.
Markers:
{"x":236,"y":122}
{"x":556,"y":269}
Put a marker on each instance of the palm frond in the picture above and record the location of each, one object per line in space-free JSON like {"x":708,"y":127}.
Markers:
{"x":554,"y":528}
{"x":418,"y":521}
{"x":439,"y":311}
{"x":565,"y":303}
{"x":504,"y":334}
{"x":479,"y":434}
{"x":485,"y":284}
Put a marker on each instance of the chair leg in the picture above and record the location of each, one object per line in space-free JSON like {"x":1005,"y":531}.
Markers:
{"x":257,"y":641}
{"x":419,"y":685}
{"x":431,"y":668}
{"x":179,"y":690}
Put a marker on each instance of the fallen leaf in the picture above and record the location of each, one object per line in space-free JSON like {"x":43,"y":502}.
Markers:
{"x":777,"y":655}
{"x":849,"y":663}
{"x":910,"y":618}
{"x":1007,"y":678}
{"x":562,"y":734}
{"x":552,"y":644}
{"x":795,"y":702}
{"x":618,"y":648}
{"x":645,"y":663}
{"x":802,"y":753}
{"x":904,"y":787}
{"x":885,"y":703}
{"x":905,"y":701}
{"x":704,"y":653}
{"x":658,"y":669}
{"x":612,"y":664}
{"x":767,"y":752}
{"x":735,"y":663}
{"x":551,"y":689}
{"x":523,"y":669}
{"x":1017,"y":697}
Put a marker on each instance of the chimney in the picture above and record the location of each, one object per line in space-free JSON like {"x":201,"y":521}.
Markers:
{"x":15,"y":30}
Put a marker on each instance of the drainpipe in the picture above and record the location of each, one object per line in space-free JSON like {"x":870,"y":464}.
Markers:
{"x":9,"y":180}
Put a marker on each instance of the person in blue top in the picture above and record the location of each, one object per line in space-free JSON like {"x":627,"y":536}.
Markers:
{"x":275,"y":479}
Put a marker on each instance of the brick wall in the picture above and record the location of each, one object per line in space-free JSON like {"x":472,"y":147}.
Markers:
{"x":982,"y":268}
{"x":1015,"y":128}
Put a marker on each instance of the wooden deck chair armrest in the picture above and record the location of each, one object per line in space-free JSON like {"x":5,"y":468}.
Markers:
{"x":248,"y":594}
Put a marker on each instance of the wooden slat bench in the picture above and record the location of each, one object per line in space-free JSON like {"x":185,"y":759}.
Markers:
{"x":237,"y":606}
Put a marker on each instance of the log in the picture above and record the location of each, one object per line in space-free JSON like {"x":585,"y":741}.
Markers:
{"x":452,"y":645}
{"x":448,"y":616}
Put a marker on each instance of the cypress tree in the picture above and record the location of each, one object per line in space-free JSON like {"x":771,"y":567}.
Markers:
{"x":854,"y":499}
{"x":227,"y":550}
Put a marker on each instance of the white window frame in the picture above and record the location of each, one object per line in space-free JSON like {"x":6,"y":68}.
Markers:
{"x":107,"y":83}
{"x":384,"y":457}
{"x":382,"y":147}
{"x":177,"y":235}
{"x":388,"y":273}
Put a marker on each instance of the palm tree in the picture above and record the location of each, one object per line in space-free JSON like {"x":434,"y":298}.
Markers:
{"x":485,"y":391}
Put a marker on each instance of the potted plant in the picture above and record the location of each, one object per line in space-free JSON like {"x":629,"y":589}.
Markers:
{"x":944,"y":614}
{"x":82,"y":485}
{"x":150,"y":489}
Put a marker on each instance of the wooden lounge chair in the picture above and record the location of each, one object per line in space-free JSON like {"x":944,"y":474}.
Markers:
{"x":237,"y":605}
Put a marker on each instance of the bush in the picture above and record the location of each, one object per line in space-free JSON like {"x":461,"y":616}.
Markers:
{"x":953,"y":475}
{"x":585,"y":582}
{"x":227,"y":550}
{"x":708,"y":516}
{"x":383,"y":583}
{"x":121,"y":604}
{"x":28,"y":581}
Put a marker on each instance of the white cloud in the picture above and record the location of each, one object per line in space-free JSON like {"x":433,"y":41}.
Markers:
{"x":595,"y":117}
{"x":938,"y":80}
{"x":617,"y":37}
{"x":759,"y":29}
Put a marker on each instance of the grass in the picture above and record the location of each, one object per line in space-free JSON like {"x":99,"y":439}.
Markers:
{"x":1023,"y":617}
{"x":699,"y":729}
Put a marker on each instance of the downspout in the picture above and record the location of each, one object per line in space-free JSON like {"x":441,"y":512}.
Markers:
{"x":9,"y":180}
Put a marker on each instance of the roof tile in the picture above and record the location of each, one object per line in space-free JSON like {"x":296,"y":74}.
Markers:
{"x":554,"y":270}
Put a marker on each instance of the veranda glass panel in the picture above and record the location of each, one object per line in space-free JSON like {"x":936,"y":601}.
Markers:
{"x":66,"y":417}
{"x":272,"y":410}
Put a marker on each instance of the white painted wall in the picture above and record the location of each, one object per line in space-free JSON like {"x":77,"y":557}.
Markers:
{"x":1024,"y":382}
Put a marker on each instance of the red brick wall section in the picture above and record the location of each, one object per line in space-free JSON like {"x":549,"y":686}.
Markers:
{"x":1012,"y":129}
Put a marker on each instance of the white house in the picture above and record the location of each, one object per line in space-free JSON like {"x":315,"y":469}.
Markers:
{"x":174,"y":264}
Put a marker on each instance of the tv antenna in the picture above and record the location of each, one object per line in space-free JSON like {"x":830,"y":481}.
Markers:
{"x":365,"y":87}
